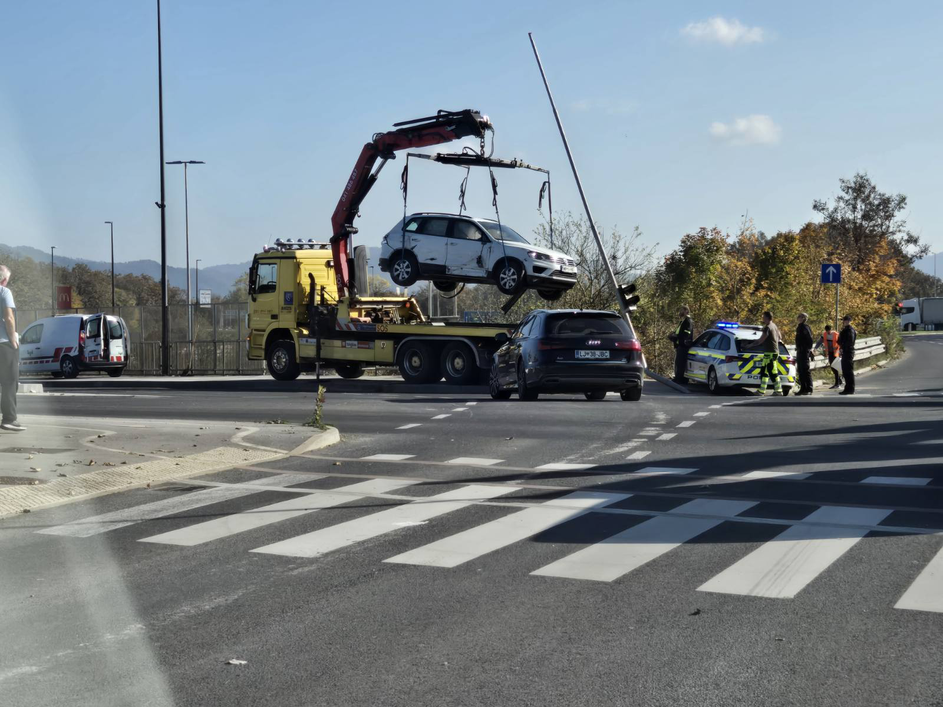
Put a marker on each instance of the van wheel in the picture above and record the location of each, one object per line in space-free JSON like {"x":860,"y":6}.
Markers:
{"x":419,"y":363}
{"x":281,"y":361}
{"x":404,"y":270}
{"x":68,"y":367}
{"x":115,"y":372}
{"x":459,"y":364}
{"x":349,"y":370}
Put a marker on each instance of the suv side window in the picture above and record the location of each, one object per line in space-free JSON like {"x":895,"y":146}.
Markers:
{"x":466,"y":231}
{"x":413,"y":225}
{"x":266,"y":279}
{"x":33,"y":335}
{"x":434,"y":226}
{"x":522,"y":330}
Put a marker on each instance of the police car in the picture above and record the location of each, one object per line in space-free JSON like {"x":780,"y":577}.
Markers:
{"x":722,"y":357}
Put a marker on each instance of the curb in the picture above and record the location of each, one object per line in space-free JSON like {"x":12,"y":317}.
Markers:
{"x":664,"y":380}
{"x":24,"y":499}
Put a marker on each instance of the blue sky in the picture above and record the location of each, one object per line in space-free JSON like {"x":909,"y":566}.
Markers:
{"x":680,"y":115}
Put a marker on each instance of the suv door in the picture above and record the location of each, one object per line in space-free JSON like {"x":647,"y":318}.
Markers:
{"x":465,"y":244}
{"x":428,"y":243}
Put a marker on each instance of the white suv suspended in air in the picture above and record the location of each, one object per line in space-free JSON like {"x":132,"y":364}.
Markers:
{"x":450,"y":249}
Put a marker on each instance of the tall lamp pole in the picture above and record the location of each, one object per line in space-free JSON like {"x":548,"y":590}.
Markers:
{"x":52,"y":277}
{"x":109,"y":223}
{"x":186,"y":211}
{"x":198,"y":279}
{"x":164,"y":289}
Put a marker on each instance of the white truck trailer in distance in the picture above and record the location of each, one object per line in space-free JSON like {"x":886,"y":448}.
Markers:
{"x":924,"y":313}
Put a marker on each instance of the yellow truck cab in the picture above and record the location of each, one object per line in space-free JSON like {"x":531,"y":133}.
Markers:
{"x":295,"y":320}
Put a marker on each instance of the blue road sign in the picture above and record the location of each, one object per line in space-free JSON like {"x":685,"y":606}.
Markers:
{"x":831,"y":273}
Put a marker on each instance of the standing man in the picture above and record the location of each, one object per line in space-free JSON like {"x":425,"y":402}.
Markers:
{"x":9,"y":356}
{"x":829,"y":342}
{"x":682,"y":339}
{"x":846,"y":342}
{"x":768,"y":343}
{"x":804,"y":342}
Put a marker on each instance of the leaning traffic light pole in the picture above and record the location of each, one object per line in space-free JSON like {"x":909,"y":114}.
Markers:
{"x":624,"y":294}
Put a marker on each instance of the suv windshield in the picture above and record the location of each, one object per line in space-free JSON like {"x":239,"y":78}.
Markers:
{"x":502,"y":232}
{"x":586,"y":325}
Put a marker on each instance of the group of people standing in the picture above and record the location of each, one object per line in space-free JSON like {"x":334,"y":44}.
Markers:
{"x":835,"y":346}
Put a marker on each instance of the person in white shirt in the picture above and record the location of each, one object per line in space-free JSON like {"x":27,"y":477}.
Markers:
{"x":9,"y":356}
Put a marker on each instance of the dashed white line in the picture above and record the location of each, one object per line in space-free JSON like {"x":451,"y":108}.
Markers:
{"x":472,"y":403}
{"x":474,"y":461}
{"x":635,"y":456}
{"x":442,"y":417}
{"x":665,"y":437}
{"x":459,"y":410}
{"x":387,"y":457}
{"x":701,"y":414}
{"x":410,"y":426}
{"x":561,"y":466}
{"x":650,"y":432}
{"x":775,"y":475}
{"x":686,"y":423}
{"x":664,"y":470}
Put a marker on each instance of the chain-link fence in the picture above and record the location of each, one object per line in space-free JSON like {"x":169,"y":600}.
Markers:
{"x":218,"y":340}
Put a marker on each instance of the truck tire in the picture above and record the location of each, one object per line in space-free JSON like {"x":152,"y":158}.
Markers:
{"x":459,"y":364}
{"x":281,"y":361}
{"x":349,"y":370}
{"x":419,"y":363}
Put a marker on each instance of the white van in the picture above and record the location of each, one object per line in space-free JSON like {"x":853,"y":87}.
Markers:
{"x":70,"y":343}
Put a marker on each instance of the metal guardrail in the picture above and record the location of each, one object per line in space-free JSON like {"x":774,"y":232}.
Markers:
{"x":864,"y":349}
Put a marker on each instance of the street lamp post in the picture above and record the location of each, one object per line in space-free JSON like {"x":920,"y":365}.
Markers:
{"x":198,"y":280}
{"x":109,"y":223}
{"x":162,"y":204}
{"x":186,"y":211}
{"x":52,"y":277}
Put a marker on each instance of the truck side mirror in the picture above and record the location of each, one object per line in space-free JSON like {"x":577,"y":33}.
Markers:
{"x":502,"y":338}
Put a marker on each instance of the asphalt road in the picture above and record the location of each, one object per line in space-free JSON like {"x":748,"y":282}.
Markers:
{"x":684,"y":550}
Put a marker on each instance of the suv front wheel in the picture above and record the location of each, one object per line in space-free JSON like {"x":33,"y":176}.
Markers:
{"x":509,"y":276}
{"x":404,"y":270}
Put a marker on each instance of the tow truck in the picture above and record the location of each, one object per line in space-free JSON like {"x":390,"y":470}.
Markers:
{"x":305,"y":309}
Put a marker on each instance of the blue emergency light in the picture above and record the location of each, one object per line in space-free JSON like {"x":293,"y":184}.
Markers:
{"x":728,"y":325}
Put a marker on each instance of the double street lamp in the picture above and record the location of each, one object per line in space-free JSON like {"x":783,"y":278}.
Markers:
{"x":186,"y":211}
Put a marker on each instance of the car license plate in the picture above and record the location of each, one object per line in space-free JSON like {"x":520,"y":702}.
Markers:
{"x":592,"y":354}
{"x":568,"y":269}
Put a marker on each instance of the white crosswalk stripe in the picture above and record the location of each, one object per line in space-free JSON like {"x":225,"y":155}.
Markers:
{"x":474,"y":461}
{"x":371,"y":526}
{"x":784,"y":566}
{"x":274,"y":513}
{"x":561,"y":466}
{"x":926,"y":592}
{"x":95,"y":525}
{"x":470,"y":544}
{"x":623,"y":552}
{"x":387,"y":457}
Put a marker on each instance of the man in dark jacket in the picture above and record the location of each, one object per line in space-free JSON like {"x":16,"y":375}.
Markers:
{"x":804,"y":343}
{"x":846,"y":342}
{"x":682,"y":339}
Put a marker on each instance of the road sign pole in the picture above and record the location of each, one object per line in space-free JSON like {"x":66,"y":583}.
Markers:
{"x":837,"y":287}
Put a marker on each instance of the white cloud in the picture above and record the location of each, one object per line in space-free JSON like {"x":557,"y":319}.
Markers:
{"x":752,"y":130}
{"x":724,"y":31}
{"x":608,"y":106}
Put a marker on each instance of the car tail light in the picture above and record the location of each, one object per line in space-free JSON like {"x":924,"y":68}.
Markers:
{"x":544,"y":346}
{"x":631,"y":345}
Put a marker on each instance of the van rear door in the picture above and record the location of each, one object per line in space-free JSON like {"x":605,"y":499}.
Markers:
{"x":116,"y":340}
{"x":94,"y":338}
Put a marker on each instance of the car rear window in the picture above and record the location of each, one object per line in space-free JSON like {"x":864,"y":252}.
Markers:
{"x":586,"y":325}
{"x":749,"y":346}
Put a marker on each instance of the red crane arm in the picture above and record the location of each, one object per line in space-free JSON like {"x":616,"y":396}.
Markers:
{"x":445,"y":126}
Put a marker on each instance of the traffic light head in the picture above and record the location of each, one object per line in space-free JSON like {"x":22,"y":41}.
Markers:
{"x":629,"y":299}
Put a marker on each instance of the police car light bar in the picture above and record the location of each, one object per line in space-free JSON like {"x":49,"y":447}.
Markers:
{"x":728,"y":325}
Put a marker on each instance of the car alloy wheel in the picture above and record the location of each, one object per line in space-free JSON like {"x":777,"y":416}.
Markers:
{"x":494,"y":385}
{"x":713,"y":385}
{"x":510,"y":277}
{"x":402,"y":270}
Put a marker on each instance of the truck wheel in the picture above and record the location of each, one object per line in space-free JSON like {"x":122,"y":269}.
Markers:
{"x":509,"y":276}
{"x":404,"y":270}
{"x":68,"y":367}
{"x":419,"y":363}
{"x":281,"y":360}
{"x":459,"y":364}
{"x":349,"y":370}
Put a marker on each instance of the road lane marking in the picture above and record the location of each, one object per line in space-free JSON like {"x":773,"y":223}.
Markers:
{"x":774,"y":475}
{"x":926,"y":592}
{"x":459,"y":410}
{"x":483,"y":539}
{"x":276,"y":512}
{"x":95,"y":525}
{"x":665,"y":437}
{"x":903,"y":480}
{"x":410,"y":426}
{"x":472,"y":403}
{"x":442,"y":417}
{"x":387,"y":457}
{"x":474,"y":461}
{"x":701,"y":414}
{"x":418,"y":512}
{"x":686,"y":423}
{"x":635,"y":456}
{"x":658,"y":470}
{"x":561,"y":466}
{"x":785,"y":565}
{"x":623,"y":552}
{"x":650,"y":431}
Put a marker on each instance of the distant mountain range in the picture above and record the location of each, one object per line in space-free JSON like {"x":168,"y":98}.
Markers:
{"x":218,"y":278}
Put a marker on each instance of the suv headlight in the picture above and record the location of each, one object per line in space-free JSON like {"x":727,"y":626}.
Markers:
{"x":538,"y":256}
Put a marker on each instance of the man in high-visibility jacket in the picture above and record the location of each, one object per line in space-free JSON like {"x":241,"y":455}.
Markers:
{"x":829,"y":343}
{"x":682,"y":339}
{"x":768,"y":343}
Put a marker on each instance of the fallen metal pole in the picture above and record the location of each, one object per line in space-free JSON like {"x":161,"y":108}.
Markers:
{"x":579,"y":186}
